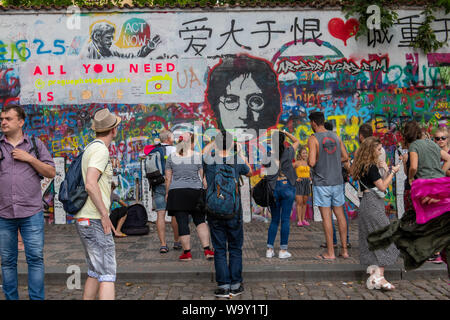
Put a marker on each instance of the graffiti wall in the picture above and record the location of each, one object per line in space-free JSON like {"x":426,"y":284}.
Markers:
{"x":236,"y":69}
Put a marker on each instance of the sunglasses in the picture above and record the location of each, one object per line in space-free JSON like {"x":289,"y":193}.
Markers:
{"x":440,"y":138}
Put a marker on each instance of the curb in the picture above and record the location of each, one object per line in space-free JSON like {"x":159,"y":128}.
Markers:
{"x":254,"y":273}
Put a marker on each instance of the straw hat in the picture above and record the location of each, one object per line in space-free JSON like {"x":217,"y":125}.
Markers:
{"x":104,"y":120}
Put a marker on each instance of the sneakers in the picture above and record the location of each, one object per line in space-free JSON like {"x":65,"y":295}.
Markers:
{"x":284,"y":255}
{"x":438,"y":260}
{"x":186,"y":257}
{"x":237,"y":291}
{"x":300,"y":224}
{"x":270,"y":253}
{"x":305,"y":223}
{"x":222,"y":293}
{"x":209,"y":255}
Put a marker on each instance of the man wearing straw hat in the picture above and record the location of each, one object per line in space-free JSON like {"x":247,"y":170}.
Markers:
{"x":92,"y":221}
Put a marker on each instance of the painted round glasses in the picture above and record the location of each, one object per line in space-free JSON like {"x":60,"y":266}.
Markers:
{"x":254,"y":101}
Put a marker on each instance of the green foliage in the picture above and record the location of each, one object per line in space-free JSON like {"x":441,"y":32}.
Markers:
{"x":426,"y":38}
{"x":359,"y":8}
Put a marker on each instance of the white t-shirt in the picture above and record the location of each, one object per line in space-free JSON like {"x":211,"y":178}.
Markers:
{"x":169,"y":149}
{"x":97,"y":156}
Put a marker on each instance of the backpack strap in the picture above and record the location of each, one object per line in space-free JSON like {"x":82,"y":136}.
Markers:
{"x":35,"y":148}
{"x":108,"y":157}
{"x":1,"y":151}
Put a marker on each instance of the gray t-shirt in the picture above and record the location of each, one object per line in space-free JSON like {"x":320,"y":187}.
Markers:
{"x":328,"y":169}
{"x":429,"y":153}
{"x":185,"y":171}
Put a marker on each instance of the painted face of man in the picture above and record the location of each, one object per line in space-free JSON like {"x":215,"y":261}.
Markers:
{"x":106,"y":39}
{"x":241,"y":106}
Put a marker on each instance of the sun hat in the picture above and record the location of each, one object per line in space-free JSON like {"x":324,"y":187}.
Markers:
{"x":104,"y":120}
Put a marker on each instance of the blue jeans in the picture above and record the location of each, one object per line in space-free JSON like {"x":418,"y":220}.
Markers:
{"x":231,"y":233}
{"x":32,"y":231}
{"x":284,"y":195}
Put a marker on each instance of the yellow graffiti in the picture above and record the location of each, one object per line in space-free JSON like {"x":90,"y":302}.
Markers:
{"x":159,"y":85}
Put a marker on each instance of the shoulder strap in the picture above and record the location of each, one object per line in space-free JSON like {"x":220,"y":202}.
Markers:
{"x":1,"y":151}
{"x":106,"y":162}
{"x":35,"y":148}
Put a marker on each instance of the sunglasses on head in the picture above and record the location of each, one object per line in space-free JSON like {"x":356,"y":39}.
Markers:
{"x":440,"y":138}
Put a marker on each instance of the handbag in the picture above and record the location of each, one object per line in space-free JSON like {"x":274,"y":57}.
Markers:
{"x":380,"y":194}
{"x":263,"y":194}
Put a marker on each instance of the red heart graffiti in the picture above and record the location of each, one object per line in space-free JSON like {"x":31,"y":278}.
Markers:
{"x":341,"y":30}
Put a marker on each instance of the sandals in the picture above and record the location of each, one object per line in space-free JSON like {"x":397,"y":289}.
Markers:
{"x":376,"y":281}
{"x":163,"y":249}
{"x":177,"y":246}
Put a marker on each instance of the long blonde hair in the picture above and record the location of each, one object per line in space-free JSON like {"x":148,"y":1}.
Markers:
{"x":365,"y":157}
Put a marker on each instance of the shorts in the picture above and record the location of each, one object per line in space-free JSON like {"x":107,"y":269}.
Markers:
{"x":99,"y":249}
{"x":159,"y":197}
{"x":303,"y":187}
{"x":329,"y":196}
{"x":182,"y":217}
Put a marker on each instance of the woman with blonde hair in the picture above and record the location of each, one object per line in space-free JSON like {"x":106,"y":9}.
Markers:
{"x":302,"y":185}
{"x":441,"y":138}
{"x":372,"y":214}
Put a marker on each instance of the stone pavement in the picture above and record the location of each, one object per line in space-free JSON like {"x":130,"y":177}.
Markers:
{"x":139,"y":260}
{"x":420,"y":289}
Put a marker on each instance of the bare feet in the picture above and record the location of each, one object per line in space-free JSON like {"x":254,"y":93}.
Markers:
{"x":324,"y":256}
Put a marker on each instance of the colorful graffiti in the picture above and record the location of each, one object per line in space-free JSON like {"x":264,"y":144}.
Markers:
{"x":248,"y":71}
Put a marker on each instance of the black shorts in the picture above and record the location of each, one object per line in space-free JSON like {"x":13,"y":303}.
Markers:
{"x":117,"y":214}
{"x":183,"y":220}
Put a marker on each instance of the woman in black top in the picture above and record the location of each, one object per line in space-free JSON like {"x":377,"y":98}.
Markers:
{"x":282,"y":183}
{"x":372,"y":214}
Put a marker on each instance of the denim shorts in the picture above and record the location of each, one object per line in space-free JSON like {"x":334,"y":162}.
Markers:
{"x":159,"y":197}
{"x":328,"y":196}
{"x":99,"y":249}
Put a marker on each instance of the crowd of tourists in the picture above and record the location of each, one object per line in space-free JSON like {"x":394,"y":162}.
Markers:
{"x":204,"y":187}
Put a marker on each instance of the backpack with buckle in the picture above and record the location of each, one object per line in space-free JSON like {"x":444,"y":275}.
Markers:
{"x":222,"y":200}
{"x":155,"y":164}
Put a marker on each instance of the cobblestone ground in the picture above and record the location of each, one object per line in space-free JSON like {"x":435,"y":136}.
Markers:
{"x":435,"y":289}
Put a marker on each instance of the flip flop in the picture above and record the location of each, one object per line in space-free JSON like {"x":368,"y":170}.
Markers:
{"x":163,"y":249}
{"x":322,"y":257}
{"x":123,"y":235}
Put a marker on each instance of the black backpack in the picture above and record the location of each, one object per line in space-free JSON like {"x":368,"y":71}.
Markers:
{"x":263,"y":194}
{"x":136,"y":222}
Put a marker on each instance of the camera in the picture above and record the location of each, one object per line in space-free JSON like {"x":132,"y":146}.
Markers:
{"x":159,"y":85}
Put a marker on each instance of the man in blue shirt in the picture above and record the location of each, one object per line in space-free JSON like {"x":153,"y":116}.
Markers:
{"x":226,"y":235}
